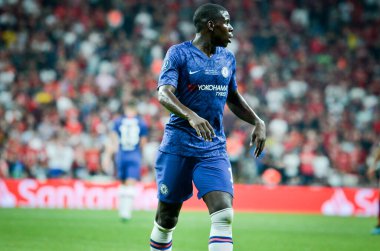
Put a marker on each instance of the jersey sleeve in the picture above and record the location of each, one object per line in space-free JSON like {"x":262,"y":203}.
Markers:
{"x":232,"y":86}
{"x":115,"y":125}
{"x":143,"y":128}
{"x":170,"y":68}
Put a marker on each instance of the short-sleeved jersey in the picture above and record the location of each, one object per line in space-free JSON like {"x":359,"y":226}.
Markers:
{"x":202,"y":84}
{"x":129,"y":131}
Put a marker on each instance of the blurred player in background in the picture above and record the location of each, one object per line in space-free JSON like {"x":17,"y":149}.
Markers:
{"x":197,"y":80}
{"x":126,"y":141}
{"x":374,"y":171}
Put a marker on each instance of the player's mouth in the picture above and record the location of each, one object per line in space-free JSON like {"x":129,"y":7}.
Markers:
{"x":230,"y":36}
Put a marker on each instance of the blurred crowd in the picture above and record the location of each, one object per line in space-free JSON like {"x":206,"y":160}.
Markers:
{"x":310,"y":69}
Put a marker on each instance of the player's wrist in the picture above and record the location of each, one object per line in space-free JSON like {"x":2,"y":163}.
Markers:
{"x":258,"y":122}
{"x":189,"y":115}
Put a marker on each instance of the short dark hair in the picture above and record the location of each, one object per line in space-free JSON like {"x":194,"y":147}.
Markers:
{"x":206,"y":12}
{"x":132,"y":103}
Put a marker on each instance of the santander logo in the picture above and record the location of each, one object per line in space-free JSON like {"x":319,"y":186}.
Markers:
{"x":85,"y":195}
{"x":79,"y":195}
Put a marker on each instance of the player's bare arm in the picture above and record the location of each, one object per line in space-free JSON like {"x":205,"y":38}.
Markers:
{"x":143,"y":142}
{"x":372,"y":169}
{"x":242,"y":110}
{"x":168,"y":99}
{"x":111,"y":147}
{"x":114,"y":143}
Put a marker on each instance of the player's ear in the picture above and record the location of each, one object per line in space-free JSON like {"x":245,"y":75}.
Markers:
{"x":210,"y":25}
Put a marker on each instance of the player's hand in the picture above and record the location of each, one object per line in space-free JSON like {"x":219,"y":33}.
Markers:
{"x":258,"y":138}
{"x":202,"y":127}
{"x":371,"y":172}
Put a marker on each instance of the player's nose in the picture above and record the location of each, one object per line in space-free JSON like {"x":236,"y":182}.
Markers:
{"x":230,"y":28}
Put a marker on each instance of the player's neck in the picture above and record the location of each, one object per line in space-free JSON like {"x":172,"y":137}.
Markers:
{"x":130,"y":114}
{"x":204,"y":44}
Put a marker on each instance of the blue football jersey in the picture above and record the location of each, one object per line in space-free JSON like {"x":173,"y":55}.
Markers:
{"x":202,"y":84}
{"x":129,"y":131}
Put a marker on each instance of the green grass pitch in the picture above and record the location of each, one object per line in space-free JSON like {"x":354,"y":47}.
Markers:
{"x":84,"y":230}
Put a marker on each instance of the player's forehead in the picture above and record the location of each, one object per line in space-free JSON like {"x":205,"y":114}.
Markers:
{"x":225,"y":15}
{"x":221,"y":15}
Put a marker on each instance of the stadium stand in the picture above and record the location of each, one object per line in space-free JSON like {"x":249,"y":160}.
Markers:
{"x":311,"y":69}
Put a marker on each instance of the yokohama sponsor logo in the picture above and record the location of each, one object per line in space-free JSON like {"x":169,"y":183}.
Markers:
{"x":218,"y":88}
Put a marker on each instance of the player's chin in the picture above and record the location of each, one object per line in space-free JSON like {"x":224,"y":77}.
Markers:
{"x":225,"y":43}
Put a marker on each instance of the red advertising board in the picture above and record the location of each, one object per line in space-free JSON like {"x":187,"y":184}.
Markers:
{"x":289,"y":199}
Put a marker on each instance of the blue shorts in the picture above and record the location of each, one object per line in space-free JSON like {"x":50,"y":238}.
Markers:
{"x":175,"y":176}
{"x":128,"y":166}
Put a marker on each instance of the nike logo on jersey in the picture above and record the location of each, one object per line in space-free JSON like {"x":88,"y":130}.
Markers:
{"x":193,"y":72}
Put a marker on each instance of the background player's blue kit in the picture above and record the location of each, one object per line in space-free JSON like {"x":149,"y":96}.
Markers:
{"x":128,"y":157}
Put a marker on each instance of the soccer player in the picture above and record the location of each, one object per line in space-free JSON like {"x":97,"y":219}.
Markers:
{"x":128,"y":137}
{"x":374,"y":170}
{"x":196,"y":81}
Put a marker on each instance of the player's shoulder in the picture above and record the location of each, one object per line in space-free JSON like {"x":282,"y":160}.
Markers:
{"x":140,"y":119}
{"x":118,"y":119}
{"x":177,"y":54}
{"x":180,"y":48}
{"x":226,"y":52}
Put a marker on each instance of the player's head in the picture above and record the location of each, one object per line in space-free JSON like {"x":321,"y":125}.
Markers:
{"x":130,"y":108}
{"x":215,"y":20}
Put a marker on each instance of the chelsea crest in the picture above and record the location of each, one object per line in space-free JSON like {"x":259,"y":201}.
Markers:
{"x":225,"y":72}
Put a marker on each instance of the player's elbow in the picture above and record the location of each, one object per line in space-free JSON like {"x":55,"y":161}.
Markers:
{"x":162,"y":96}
